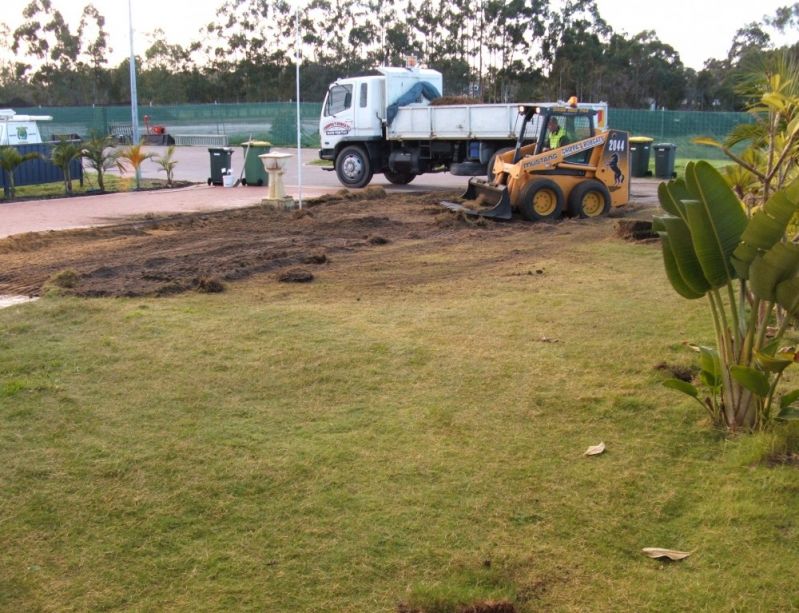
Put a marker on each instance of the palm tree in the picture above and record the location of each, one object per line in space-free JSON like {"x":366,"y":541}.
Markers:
{"x":98,"y":154}
{"x":167,"y":164}
{"x":135,"y":157}
{"x":10,"y":159}
{"x":62,"y":156}
{"x":772,"y":87}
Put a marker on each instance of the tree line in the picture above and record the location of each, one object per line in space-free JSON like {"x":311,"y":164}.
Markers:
{"x":489,"y":50}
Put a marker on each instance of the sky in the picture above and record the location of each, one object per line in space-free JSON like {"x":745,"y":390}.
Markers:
{"x":697,"y":29}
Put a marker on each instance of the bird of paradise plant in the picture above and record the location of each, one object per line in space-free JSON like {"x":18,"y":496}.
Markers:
{"x":713,"y":251}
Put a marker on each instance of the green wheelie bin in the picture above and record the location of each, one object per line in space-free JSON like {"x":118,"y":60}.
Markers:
{"x":640,"y":148}
{"x":254,"y":173}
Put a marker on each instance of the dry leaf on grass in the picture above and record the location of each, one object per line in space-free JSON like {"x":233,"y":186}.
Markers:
{"x":670,"y":554}
{"x":595,"y":449}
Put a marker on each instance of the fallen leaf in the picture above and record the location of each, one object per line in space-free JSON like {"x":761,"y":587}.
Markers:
{"x":671,"y":554}
{"x":595,"y":450}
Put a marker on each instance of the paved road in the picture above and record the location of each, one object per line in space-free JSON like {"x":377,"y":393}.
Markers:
{"x":193,"y":165}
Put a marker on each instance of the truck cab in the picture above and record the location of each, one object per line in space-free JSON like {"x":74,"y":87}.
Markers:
{"x":353,"y":122}
{"x":355,"y":108}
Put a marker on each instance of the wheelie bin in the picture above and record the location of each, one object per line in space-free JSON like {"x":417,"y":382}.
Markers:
{"x":640,"y":147}
{"x":220,"y":164}
{"x":254,"y":173}
{"x":665,"y":156}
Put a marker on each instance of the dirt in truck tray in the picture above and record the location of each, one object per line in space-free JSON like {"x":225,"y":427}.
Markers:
{"x":207,"y":251}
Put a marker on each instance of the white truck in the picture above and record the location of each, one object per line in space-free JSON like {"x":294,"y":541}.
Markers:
{"x":362,"y":135}
{"x":20,"y":129}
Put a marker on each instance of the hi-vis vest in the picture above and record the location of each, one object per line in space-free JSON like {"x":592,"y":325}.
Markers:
{"x":555,"y":138}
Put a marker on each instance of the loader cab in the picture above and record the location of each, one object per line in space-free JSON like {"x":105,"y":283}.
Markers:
{"x":540,"y":122}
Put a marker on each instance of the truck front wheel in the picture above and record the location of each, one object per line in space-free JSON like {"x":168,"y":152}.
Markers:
{"x":353,"y":167}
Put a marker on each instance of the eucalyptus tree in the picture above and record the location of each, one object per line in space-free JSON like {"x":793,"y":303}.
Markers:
{"x":46,"y":36}
{"x":93,"y":40}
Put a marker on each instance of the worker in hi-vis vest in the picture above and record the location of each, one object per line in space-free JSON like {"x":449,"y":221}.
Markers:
{"x":556,"y":134}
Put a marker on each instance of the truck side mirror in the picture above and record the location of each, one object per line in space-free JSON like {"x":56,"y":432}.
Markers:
{"x":348,"y":101}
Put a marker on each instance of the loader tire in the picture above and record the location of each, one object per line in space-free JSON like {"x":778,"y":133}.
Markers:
{"x":398,"y":178}
{"x":353,"y":167}
{"x":589,"y":199}
{"x":492,"y":159}
{"x":541,"y":200}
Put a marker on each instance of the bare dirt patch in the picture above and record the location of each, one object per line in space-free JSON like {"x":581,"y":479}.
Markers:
{"x":206,"y":251}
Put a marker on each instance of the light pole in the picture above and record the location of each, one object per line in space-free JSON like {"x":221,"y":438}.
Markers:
{"x":134,"y":101}
{"x":298,"y":59}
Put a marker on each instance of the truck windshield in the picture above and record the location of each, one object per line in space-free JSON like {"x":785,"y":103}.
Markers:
{"x":339,"y":98}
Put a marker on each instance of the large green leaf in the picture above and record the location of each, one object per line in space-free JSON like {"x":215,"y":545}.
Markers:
{"x":716,"y":221}
{"x":682,"y":386}
{"x":682,"y":249}
{"x":673,"y":271}
{"x":788,"y":296}
{"x":770,"y":363}
{"x":789,"y":398}
{"x":709,"y":366}
{"x":788,"y":414}
{"x":765,"y":229}
{"x":672,"y":195}
{"x":709,"y":361}
{"x":768,"y":270}
{"x":752,"y":379}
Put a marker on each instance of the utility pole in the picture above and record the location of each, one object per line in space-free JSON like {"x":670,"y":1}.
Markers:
{"x":134,"y":96}
{"x":298,"y":59}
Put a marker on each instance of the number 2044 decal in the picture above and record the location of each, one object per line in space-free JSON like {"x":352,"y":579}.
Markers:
{"x":617,"y":144}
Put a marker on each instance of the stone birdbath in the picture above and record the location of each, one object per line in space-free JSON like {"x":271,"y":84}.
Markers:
{"x":275,"y":164}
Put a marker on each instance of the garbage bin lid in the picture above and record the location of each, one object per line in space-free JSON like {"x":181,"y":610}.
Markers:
{"x":641,"y":139}
{"x":228,"y":149}
{"x":664,"y":146}
{"x":256,"y":143}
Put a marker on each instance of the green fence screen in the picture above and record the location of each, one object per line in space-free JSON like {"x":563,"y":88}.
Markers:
{"x":276,"y":122}
{"x":272,"y":121}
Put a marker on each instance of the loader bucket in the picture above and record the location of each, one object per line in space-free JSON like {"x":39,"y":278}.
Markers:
{"x":483,"y":199}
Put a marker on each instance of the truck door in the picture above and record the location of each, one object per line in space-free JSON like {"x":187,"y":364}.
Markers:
{"x":337,"y":120}
{"x":367,"y":121}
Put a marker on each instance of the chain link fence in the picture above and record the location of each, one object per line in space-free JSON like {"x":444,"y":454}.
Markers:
{"x":276,"y":123}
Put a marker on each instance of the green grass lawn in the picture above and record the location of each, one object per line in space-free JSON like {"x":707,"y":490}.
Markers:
{"x":409,"y":428}
{"x":113,"y":183}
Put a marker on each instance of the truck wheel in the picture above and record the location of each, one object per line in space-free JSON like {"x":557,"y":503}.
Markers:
{"x":399,"y":178}
{"x":353,"y":167}
{"x":541,"y":200}
{"x":589,"y":199}
{"x":492,"y":159}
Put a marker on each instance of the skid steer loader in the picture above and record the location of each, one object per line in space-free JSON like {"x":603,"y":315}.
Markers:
{"x":561,"y":165}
